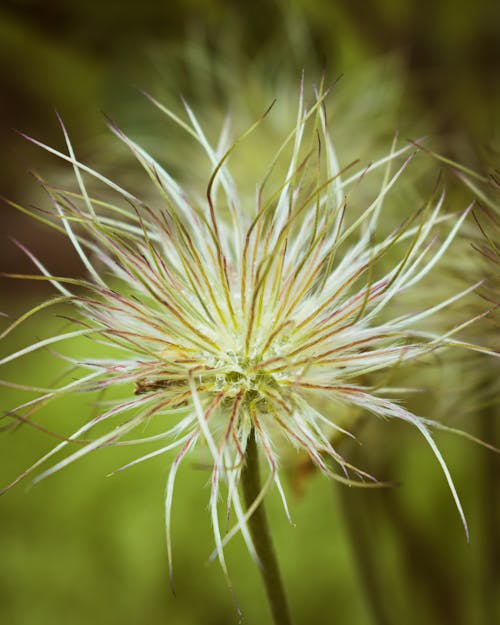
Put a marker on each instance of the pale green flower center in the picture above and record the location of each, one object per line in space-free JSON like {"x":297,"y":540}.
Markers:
{"x":250,"y":384}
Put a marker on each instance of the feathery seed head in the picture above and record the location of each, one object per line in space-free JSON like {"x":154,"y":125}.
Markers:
{"x":225,"y":315}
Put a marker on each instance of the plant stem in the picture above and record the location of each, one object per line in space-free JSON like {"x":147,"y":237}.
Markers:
{"x":259,"y":530}
{"x":362,"y":551}
{"x":490,"y":509}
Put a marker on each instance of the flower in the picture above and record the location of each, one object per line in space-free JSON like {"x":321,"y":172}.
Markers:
{"x":227,"y":316}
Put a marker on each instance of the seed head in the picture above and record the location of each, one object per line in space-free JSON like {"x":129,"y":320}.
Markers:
{"x":225,"y":316}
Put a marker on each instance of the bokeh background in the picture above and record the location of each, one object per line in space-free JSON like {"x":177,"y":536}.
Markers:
{"x":81,"y":548}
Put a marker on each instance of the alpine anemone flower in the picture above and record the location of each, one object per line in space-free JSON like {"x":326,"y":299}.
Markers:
{"x":236,"y":319}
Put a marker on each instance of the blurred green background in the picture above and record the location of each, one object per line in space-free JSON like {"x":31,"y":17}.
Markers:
{"x":81,"y":548}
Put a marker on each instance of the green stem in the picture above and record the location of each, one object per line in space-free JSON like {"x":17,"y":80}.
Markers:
{"x":362,"y":551}
{"x":490,"y":483}
{"x":259,"y":530}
